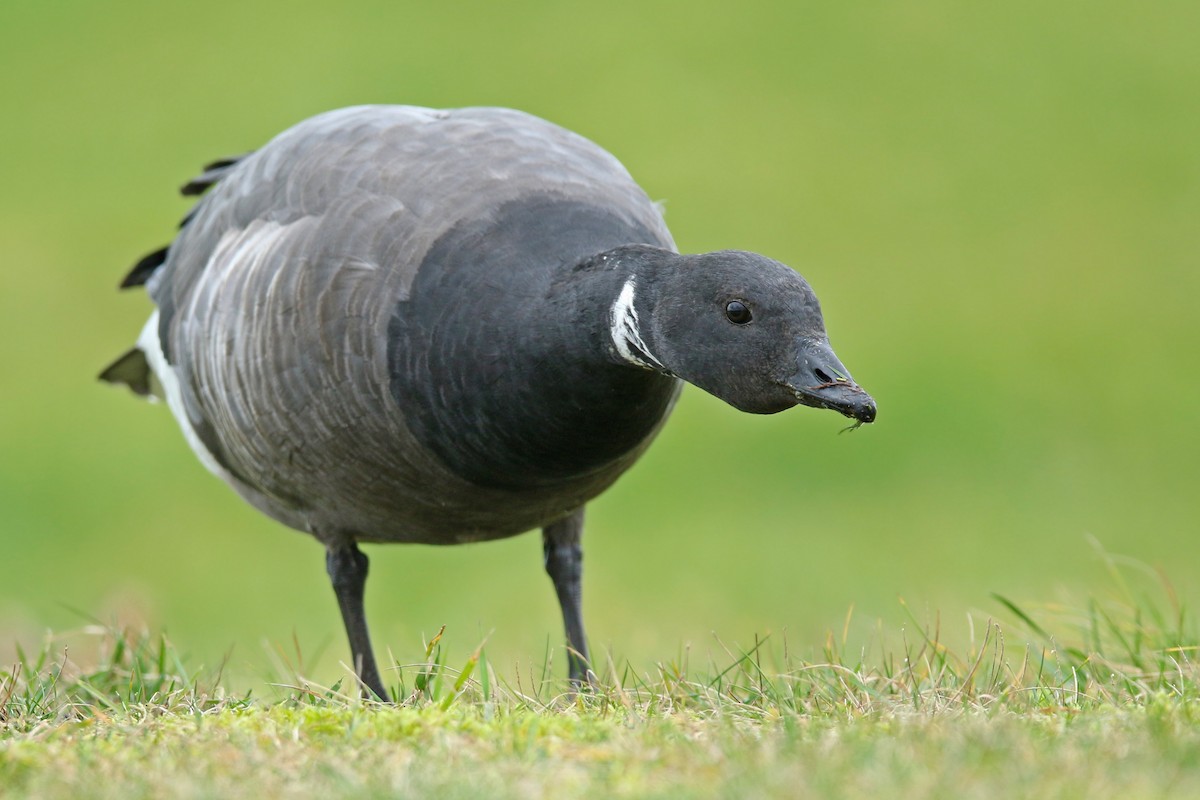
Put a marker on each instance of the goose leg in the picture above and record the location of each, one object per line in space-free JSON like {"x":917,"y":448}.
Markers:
{"x":347,"y":568}
{"x":564,"y":564}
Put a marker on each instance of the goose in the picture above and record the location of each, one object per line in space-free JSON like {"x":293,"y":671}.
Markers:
{"x":401,"y":324}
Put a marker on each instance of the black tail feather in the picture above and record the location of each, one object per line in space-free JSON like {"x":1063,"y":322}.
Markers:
{"x":131,"y":369}
{"x":223,"y":163}
{"x":143,"y":269}
{"x":212,"y":173}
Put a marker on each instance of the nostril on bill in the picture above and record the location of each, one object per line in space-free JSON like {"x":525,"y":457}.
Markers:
{"x":822,"y":377}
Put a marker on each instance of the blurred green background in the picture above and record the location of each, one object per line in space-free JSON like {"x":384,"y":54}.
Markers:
{"x":999,"y":206}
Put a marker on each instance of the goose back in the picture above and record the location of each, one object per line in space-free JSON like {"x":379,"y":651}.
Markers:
{"x":278,"y":310}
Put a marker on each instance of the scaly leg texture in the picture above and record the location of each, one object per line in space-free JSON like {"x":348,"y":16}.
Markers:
{"x":347,"y":567}
{"x":564,"y":565}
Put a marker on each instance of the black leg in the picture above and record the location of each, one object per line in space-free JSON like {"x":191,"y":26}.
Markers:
{"x":564,"y":564}
{"x":347,"y":567}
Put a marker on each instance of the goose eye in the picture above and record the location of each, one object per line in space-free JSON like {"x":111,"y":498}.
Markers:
{"x":737,"y":312}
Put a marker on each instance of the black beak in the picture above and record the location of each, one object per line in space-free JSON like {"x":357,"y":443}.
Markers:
{"x":822,"y":382}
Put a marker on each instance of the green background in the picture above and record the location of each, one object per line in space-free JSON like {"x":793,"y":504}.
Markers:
{"x":999,"y":205}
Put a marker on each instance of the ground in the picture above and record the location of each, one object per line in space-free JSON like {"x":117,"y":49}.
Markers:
{"x":1111,"y":711}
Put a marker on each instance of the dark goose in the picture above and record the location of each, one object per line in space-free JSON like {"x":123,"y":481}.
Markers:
{"x":397,"y":324}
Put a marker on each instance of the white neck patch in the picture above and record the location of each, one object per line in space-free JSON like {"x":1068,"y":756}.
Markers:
{"x":625,"y":331}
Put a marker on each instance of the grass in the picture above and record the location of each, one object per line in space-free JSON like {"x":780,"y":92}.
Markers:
{"x":996,"y":204}
{"x":1096,"y":699}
